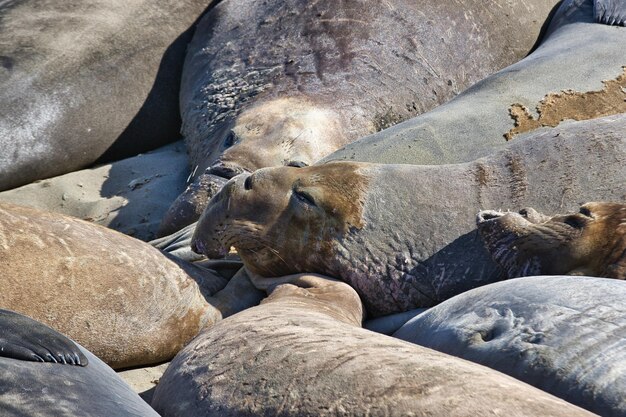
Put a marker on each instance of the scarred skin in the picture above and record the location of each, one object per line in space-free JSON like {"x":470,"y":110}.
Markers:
{"x":302,"y":353}
{"x":126,"y":301}
{"x":264,"y":85}
{"x":403,"y":250}
{"x":564,"y":335}
{"x":589,"y":242}
{"x":566,"y":78}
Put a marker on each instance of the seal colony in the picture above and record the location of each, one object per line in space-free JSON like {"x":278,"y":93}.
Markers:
{"x":591,"y":241}
{"x":264,"y":85}
{"x":78,"y":76}
{"x":577,"y":73}
{"x":301,"y":352}
{"x":356,"y":222}
{"x":564,"y":335}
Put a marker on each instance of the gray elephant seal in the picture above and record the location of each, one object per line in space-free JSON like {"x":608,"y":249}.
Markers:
{"x":576,"y":73}
{"x":301,"y":352}
{"x":46,"y":374}
{"x":591,"y":241}
{"x":81,"y":78}
{"x":264,"y":85}
{"x":124,"y":300}
{"x":564,"y":335}
{"x":403,"y":250}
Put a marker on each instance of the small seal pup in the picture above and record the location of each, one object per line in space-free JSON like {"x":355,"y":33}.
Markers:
{"x":121,"y":298}
{"x":576,"y":73}
{"x":45,"y":374}
{"x":81,"y":78}
{"x":302,"y":353}
{"x":591,"y":241}
{"x":563,"y":335}
{"x":280,"y":82}
{"x":404,"y":236}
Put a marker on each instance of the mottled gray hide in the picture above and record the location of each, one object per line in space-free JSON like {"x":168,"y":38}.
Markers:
{"x":564,"y":335}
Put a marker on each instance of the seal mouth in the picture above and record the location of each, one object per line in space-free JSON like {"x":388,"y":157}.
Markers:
{"x":200,"y":247}
{"x":485,"y":216}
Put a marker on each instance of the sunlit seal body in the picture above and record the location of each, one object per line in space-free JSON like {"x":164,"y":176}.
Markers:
{"x":46,"y":374}
{"x":123,"y":299}
{"x":404,"y":236}
{"x":578,"y":72}
{"x":272,"y":83}
{"x":78,"y":76}
{"x":564,"y":335}
{"x":591,"y":241}
{"x":302,"y":353}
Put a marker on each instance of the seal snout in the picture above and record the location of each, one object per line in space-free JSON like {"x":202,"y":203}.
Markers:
{"x":488,"y":215}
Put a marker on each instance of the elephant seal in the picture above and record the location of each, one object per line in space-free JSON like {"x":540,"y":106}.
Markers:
{"x":121,"y":298}
{"x":589,"y":242}
{"x":301,"y":352}
{"x":404,"y":236}
{"x":46,"y":374}
{"x":79,"y":79}
{"x":564,"y":335}
{"x":280,"y":82}
{"x":577,"y":73}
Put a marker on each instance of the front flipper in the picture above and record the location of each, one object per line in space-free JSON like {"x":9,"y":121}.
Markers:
{"x":25,"y":339}
{"x":610,"y":12}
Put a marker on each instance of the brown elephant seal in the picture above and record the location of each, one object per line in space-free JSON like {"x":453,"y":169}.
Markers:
{"x":564,"y":335}
{"x":124,"y":300}
{"x":404,"y":236}
{"x":591,"y":241}
{"x":302,"y":353}
{"x":576,"y":73}
{"x":84,"y":78}
{"x":264,"y":85}
{"x":45,"y":374}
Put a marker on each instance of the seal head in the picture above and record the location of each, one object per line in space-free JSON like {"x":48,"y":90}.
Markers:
{"x":283,"y":220}
{"x":590,"y":242}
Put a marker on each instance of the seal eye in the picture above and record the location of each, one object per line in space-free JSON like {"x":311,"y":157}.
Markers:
{"x":230,"y":139}
{"x":524,"y":212}
{"x":574,"y":221}
{"x":585,"y":211}
{"x":304,"y":197}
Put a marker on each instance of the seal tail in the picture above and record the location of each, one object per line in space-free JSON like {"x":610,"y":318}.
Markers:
{"x":610,"y":12}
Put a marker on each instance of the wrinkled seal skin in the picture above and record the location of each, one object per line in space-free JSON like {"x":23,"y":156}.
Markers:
{"x":591,"y":241}
{"x":564,"y":335}
{"x":576,"y":54}
{"x":403,"y":250}
{"x":77,"y":76}
{"x":301,"y":353}
{"x":269,"y":83}
{"x":123,"y":299}
{"x":48,"y":389}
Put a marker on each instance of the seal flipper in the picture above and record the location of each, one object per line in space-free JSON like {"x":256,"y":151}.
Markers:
{"x":610,"y":12}
{"x":23,"y":338}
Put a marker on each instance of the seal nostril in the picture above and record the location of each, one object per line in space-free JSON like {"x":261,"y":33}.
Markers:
{"x":297,"y":164}
{"x":486,"y":215}
{"x":225,"y":171}
{"x":247,"y":184}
